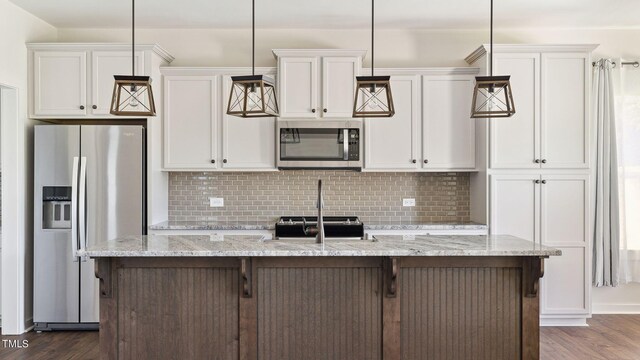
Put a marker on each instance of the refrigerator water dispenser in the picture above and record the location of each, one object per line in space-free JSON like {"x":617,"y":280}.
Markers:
{"x":56,"y":207}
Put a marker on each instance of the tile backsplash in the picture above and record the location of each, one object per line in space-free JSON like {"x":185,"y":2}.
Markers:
{"x":259,"y":197}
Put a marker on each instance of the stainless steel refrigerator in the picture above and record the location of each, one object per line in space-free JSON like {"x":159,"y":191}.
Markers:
{"x":89,"y":184}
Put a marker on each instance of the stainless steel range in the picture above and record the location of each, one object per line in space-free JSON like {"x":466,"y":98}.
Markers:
{"x":334,"y":227}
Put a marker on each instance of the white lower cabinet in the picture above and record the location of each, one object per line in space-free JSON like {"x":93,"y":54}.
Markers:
{"x":551,"y":210}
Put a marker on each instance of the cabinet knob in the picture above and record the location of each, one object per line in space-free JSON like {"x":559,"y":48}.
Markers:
{"x":324,"y":110}
{"x":213,"y":161}
{"x":224,"y":161}
{"x":313,"y":111}
{"x":544,"y":181}
{"x":536,"y":181}
{"x":81,"y":107}
{"x":544,"y":161}
{"x":94,"y":107}
{"x":537,"y":161}
{"x":426,"y":161}
{"x":414,"y":161}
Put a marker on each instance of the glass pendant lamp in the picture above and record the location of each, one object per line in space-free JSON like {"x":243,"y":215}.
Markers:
{"x":492,"y":97}
{"x":132,"y":95}
{"x":373,"y":93}
{"x":252,"y":95}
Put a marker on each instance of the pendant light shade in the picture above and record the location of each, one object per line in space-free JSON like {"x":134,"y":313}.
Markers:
{"x":492,"y":96}
{"x":252,"y":95}
{"x":373,"y":93}
{"x":132,"y":95}
{"x":373,"y":97}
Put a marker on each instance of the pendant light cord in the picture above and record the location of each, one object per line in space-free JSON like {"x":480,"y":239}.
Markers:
{"x":133,"y":37}
{"x":253,"y":37}
{"x":372,"y":34}
{"x":491,"y":42}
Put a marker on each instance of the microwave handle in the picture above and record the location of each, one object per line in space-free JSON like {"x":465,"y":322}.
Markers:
{"x":345,"y":144}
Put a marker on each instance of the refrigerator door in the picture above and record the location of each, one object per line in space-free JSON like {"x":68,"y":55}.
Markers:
{"x":56,"y":269}
{"x":113,"y":197}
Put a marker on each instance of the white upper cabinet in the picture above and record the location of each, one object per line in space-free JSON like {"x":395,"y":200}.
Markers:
{"x":105,"y":64}
{"x":339,"y":85}
{"x":76,"y":80}
{"x":392,"y":143}
{"x":448,"y":132}
{"x":190,"y":122}
{"x":298,"y":88}
{"x":550,"y":129}
{"x":246,"y":143}
{"x":564,"y":114}
{"x":60,"y":83}
{"x":317,"y":84}
{"x":515,"y":141}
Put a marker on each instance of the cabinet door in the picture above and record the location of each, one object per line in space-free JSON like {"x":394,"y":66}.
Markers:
{"x":515,"y":140}
{"x":298,"y":87}
{"x":105,"y":64}
{"x":247,"y":143}
{"x":60,"y":83}
{"x":564,"y":224}
{"x":339,"y":86}
{"x":391,"y":143}
{"x":190,"y":122}
{"x":515,"y":206}
{"x":448,"y":133}
{"x":564,"y":115}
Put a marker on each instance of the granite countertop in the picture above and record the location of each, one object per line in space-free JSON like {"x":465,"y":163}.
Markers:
{"x":258,"y":246}
{"x":270,"y":225}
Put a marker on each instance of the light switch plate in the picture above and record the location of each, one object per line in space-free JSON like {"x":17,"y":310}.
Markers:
{"x":216,"y":202}
{"x":408,"y":202}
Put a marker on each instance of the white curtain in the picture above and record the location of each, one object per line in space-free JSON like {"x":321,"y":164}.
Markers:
{"x":606,"y":240}
{"x":627,"y":89}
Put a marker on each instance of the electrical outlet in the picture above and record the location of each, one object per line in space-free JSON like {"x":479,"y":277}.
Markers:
{"x":408,"y":202}
{"x":216,"y":202}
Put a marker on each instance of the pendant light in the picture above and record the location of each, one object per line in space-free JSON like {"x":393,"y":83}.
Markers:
{"x":373,"y":93}
{"x":132,"y":95}
{"x":252,"y":95}
{"x":492,"y":97}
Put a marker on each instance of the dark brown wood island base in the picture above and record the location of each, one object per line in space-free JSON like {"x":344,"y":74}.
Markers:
{"x":319,"y":307}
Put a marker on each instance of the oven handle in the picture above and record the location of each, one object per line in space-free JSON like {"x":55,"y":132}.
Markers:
{"x":345,"y":144}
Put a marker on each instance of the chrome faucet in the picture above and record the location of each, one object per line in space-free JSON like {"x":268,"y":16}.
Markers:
{"x":318,"y":230}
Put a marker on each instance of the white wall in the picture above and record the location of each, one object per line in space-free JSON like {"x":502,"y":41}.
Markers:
{"x":16,"y":28}
{"x":394,"y":48}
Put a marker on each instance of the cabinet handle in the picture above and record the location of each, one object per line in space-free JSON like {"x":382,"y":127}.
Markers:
{"x":81,"y":107}
{"x":313,"y":111}
{"x":544,"y":161}
{"x":324,"y":110}
{"x":544,"y":181}
{"x":224,"y":161}
{"x":414,"y":161}
{"x":537,"y":161}
{"x":536,"y":181}
{"x":426,"y":161}
{"x":213,"y":161}
{"x":94,"y":107}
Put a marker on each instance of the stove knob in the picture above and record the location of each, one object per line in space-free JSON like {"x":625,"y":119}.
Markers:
{"x":348,"y":222}
{"x":290,"y":221}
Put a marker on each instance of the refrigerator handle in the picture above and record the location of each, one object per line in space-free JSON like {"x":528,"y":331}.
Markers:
{"x":82,"y":203}
{"x":74,"y":208}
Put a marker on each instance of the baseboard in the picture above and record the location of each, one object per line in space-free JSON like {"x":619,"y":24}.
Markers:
{"x":615,"y":308}
{"x":28,"y":325}
{"x":563,"y":322}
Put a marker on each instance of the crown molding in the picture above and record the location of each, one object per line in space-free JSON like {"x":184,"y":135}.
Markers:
{"x":318,"y":52}
{"x":157,"y":49}
{"x":527,"y":48}
{"x":213,"y":71}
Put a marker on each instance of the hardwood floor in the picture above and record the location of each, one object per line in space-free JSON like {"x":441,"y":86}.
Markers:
{"x":608,"y":337}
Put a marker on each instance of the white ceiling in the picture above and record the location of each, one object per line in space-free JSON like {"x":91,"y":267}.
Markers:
{"x":321,"y":14}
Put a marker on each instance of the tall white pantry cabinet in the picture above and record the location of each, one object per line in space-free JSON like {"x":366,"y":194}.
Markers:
{"x":536,"y":167}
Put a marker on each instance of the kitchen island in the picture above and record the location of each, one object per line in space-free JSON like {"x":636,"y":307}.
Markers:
{"x":244,"y":297}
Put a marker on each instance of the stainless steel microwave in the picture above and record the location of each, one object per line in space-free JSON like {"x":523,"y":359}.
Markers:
{"x":319,"y":144}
